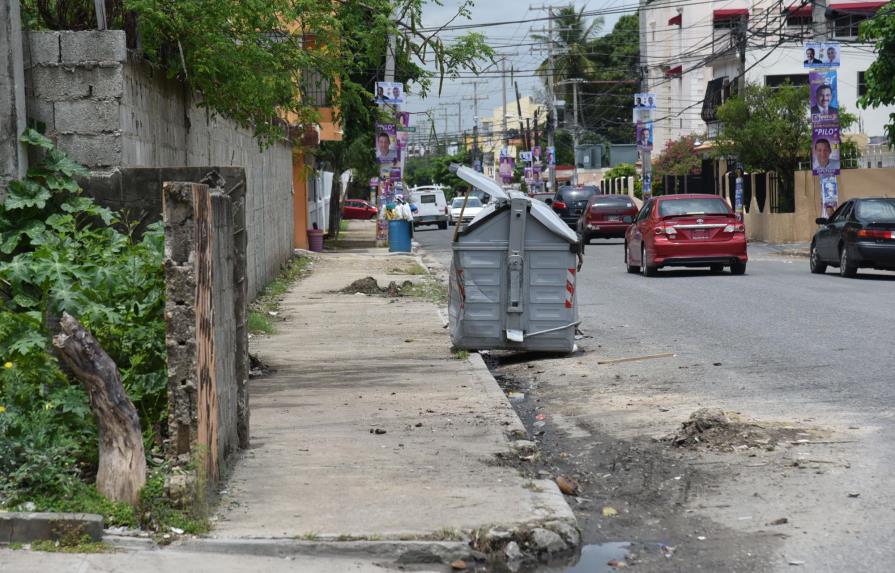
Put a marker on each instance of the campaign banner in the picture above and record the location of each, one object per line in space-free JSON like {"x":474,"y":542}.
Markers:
{"x":374,"y":182}
{"x":645,"y":100}
{"x":536,"y":153}
{"x":824,"y":97}
{"x":529,"y":175}
{"x":645,"y":136}
{"x":551,"y":156}
{"x":825,"y":150}
{"x":402,"y":128}
{"x":829,"y":189}
{"x":506,"y":169}
{"x":738,"y":199}
{"x":386,"y":143}
{"x":821,"y":55}
{"x":389,"y":92}
{"x":643,"y":115}
{"x":525,"y":156}
{"x":646,"y":187}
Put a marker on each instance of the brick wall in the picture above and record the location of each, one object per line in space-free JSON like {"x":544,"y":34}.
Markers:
{"x":110,"y":110}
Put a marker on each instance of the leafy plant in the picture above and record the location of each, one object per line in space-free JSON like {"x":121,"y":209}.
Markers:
{"x":880,"y":30}
{"x":679,"y":157}
{"x":61,"y":252}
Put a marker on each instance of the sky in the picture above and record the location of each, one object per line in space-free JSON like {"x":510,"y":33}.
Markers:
{"x":509,"y":40}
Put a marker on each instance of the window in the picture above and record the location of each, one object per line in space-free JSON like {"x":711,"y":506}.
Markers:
{"x":847,"y":25}
{"x":877,"y":210}
{"x":779,"y":80}
{"x":427,"y":198}
{"x":727,"y":23}
{"x":862,"y":84}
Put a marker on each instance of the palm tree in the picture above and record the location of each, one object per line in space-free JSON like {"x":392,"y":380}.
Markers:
{"x":572,"y":38}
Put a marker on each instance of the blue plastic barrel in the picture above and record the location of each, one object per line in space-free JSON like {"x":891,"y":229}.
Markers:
{"x":399,"y":237}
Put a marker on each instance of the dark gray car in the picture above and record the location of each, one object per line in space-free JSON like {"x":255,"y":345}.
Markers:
{"x":569,"y":202}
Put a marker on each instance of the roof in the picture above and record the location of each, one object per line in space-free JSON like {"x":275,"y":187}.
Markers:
{"x":857,"y":6}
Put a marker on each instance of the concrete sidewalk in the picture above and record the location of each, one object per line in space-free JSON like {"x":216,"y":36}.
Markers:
{"x":367,"y":428}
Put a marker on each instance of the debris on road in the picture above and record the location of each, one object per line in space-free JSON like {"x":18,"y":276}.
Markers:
{"x":779,"y":521}
{"x":712,"y":428}
{"x":567,"y":485}
{"x":636,"y":358}
{"x":459,"y":565}
{"x":609,"y":511}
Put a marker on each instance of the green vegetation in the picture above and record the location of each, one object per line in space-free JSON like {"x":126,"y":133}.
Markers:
{"x":158,"y":513}
{"x":880,"y":29}
{"x":61,"y":252}
{"x":84,"y":544}
{"x":430,"y":289}
{"x":259,"y":319}
{"x":679,"y":158}
{"x":460,"y":354}
{"x":414,"y":269}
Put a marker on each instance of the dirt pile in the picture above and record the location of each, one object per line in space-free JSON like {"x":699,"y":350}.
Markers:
{"x":712,"y":428}
{"x":368,"y":286}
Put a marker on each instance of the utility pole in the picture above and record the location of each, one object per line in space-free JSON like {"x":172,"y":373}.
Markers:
{"x":742,"y":39}
{"x":646,"y":156}
{"x":551,"y":103}
{"x":503,"y":83}
{"x":475,"y":106}
{"x":575,"y":130}
{"x":820,"y":29}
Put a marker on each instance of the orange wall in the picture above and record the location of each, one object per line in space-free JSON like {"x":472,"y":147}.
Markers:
{"x":299,"y":199}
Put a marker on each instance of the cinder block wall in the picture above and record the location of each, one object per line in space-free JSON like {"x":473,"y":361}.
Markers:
{"x":108,"y":109}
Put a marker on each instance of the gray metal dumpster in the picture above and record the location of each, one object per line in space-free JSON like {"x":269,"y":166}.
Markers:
{"x":513,"y":275}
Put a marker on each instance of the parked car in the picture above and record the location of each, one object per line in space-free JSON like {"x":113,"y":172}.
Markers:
{"x":606,"y":216}
{"x":473,"y":207}
{"x":686,"y":231}
{"x":543,"y":196}
{"x":358,"y":209}
{"x":431,"y":206}
{"x":569,"y":202}
{"x":859,"y":234}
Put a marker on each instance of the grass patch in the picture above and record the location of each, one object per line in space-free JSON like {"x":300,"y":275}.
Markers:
{"x":87,"y":500}
{"x":309,"y":536}
{"x":83,"y":544}
{"x":159,"y":514}
{"x":343,"y":225}
{"x":460,"y":354}
{"x":16,"y":546}
{"x":431,"y":290}
{"x":259,"y":323}
{"x":259,"y":320}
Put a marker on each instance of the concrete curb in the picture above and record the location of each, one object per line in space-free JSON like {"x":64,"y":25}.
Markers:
{"x":25,"y":527}
{"x":407,"y":552}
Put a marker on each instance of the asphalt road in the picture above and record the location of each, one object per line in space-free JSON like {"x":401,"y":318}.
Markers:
{"x":777,"y":344}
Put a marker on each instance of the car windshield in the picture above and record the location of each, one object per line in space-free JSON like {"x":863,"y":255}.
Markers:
{"x":612,"y":201}
{"x":570,"y":194}
{"x":473,"y":202}
{"x":877,"y":210}
{"x":685,"y":207}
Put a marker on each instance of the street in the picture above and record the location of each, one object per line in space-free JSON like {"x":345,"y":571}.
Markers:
{"x":804,"y":357}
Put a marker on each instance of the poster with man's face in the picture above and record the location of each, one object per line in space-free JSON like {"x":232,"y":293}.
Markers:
{"x":643,"y":115}
{"x":645,"y":136}
{"x":402,"y":128}
{"x":551,"y":156}
{"x":386,"y":143}
{"x":824,"y":97}
{"x":825,"y":150}
{"x":525,"y":156}
{"x":506,"y":169}
{"x":821,"y":55}
{"x":389,"y":92}
{"x":645,"y":101}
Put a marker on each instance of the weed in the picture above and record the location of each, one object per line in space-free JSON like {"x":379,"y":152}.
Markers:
{"x":82,"y":544}
{"x":15,"y":546}
{"x":309,"y":536}
{"x":259,"y":323}
{"x":158,"y":513}
{"x":85,"y":499}
{"x":460,"y":354}
{"x":430,"y":290}
{"x":414,"y":269}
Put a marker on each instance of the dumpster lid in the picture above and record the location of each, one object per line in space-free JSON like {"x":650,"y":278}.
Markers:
{"x":538,"y":209}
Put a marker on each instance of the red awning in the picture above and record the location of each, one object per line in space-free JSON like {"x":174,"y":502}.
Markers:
{"x":730,"y":13}
{"x":676,"y":21}
{"x":674,"y":72}
{"x":858,"y":6}
{"x":796,"y":9}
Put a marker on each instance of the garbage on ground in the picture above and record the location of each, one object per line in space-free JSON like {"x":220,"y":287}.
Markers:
{"x":567,"y":485}
{"x":609,"y":511}
{"x":667,"y":551}
{"x":459,"y":564}
{"x":779,"y":521}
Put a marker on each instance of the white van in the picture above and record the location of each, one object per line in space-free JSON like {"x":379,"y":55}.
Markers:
{"x":432,"y":207}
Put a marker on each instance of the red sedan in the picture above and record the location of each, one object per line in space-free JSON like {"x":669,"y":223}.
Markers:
{"x":606,"y":216}
{"x":686,"y":231}
{"x":358,"y":209}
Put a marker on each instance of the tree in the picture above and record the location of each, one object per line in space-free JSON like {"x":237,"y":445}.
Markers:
{"x":880,"y":88}
{"x":606,"y":107}
{"x":768,"y":129}
{"x":679,"y":158}
{"x":574,"y":35}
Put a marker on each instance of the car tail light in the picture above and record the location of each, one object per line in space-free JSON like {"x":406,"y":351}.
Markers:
{"x":445,"y":210}
{"x":738,"y":228}
{"x":666,"y":230}
{"x":876,"y":234}
{"x":557,"y":205}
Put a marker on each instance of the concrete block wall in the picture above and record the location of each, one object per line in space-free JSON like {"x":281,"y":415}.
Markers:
{"x":110,"y":110}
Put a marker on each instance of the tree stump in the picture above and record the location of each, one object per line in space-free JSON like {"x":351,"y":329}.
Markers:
{"x":122,"y":461}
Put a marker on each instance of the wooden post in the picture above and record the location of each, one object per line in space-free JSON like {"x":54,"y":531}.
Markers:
{"x":122,"y":461}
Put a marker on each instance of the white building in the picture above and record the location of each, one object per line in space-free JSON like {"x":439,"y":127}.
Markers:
{"x":686,"y":45}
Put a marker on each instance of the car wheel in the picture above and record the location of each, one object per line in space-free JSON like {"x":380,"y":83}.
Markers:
{"x":716,"y":269}
{"x":443,"y":225}
{"x":633,"y":269}
{"x":645,"y":269}
{"x":846,"y":267}
{"x":817,"y":266}
{"x":738,"y":268}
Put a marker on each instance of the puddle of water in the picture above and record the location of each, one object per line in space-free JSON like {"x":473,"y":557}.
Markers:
{"x":594,"y":558}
